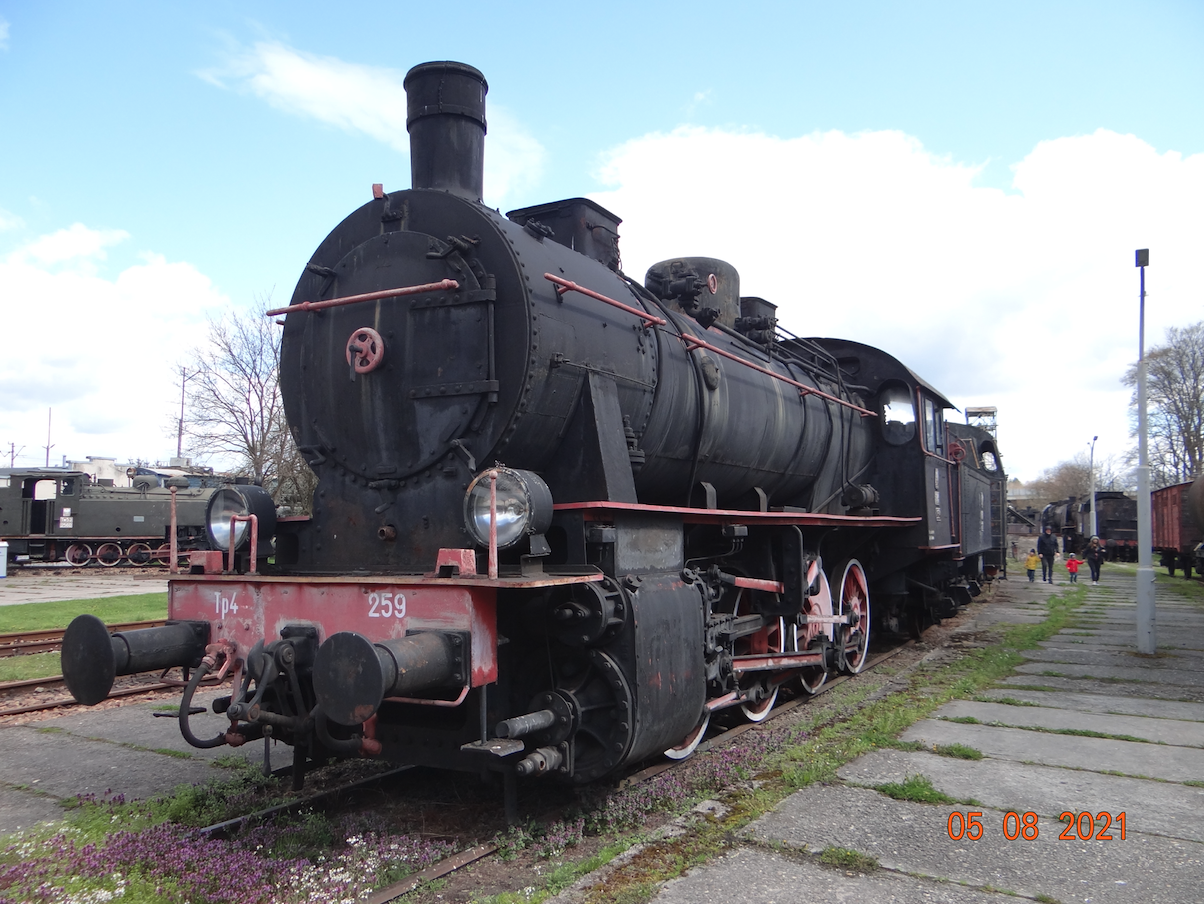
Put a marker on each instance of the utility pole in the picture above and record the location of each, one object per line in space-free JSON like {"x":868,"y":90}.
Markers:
{"x":180,"y":434}
{"x":49,"y":444}
{"x":1146,"y":639}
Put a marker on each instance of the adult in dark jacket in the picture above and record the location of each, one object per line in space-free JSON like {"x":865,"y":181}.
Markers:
{"x":1047,"y":548}
{"x":1095,"y":553}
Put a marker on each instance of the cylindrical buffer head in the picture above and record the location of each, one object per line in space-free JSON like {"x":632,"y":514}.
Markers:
{"x":352,"y":675}
{"x":92,"y":657}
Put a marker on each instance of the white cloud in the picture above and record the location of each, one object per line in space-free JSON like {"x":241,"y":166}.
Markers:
{"x":77,"y":245}
{"x":99,"y":352}
{"x":10,"y":221}
{"x":4,"y":25}
{"x":370,"y":100}
{"x":1025,"y":300}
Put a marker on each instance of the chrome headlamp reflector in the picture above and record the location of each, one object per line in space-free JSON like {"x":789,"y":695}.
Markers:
{"x":239,"y":500}
{"x":524,"y":506}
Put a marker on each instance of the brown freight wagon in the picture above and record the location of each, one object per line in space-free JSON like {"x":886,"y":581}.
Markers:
{"x":1178,"y":523}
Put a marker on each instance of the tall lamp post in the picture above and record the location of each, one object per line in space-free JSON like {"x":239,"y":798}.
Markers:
{"x":1094,"y":522}
{"x":1146,"y":641}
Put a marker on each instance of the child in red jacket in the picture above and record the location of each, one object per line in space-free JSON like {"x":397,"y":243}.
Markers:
{"x":1072,"y":565}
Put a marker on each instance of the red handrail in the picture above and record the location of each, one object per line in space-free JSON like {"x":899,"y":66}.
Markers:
{"x":693,"y":342}
{"x":443,"y":285}
{"x":567,"y":285}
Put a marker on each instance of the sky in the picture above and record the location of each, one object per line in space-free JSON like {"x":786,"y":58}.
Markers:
{"x":962,"y":185}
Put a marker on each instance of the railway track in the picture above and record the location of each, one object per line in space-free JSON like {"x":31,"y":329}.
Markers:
{"x":20,"y":643}
{"x":479,"y":852}
{"x":14,"y":695}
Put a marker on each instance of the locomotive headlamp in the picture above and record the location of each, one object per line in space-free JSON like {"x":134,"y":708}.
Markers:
{"x":231,"y":504}
{"x":524,"y":506}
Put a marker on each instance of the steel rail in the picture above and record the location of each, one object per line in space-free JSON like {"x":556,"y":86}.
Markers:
{"x":16,"y":643}
{"x":472,"y":855}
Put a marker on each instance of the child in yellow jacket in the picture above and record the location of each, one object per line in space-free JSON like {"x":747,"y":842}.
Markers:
{"x":1030,"y":563}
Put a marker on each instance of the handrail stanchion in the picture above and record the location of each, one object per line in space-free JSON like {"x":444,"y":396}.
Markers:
{"x":493,"y":525}
{"x":174,"y":567}
{"x":254,"y":522}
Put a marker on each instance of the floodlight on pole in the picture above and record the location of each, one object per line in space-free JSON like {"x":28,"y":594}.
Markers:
{"x":1146,"y":640}
{"x":1094,"y":521}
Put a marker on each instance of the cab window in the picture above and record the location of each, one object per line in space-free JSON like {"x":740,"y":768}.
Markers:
{"x":898,"y":415}
{"x":934,"y":427}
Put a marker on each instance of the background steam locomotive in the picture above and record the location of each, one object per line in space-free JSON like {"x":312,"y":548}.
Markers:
{"x":562,"y":516}
{"x":55,"y":515}
{"x":1115,"y":523}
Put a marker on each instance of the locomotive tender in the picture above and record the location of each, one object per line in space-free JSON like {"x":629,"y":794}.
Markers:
{"x":562,"y":517}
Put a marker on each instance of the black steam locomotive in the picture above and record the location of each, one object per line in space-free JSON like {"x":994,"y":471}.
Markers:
{"x":562,"y":516}
{"x":1115,"y":523}
{"x":59,"y":515}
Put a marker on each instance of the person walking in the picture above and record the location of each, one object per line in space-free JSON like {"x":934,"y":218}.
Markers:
{"x":1031,"y":561}
{"x":1072,"y":566}
{"x":1047,"y":548}
{"x":1095,"y":553}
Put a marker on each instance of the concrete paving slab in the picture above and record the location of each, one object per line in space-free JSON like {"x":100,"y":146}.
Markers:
{"x":1106,"y":703}
{"x":43,"y":585}
{"x":1159,"y":808}
{"x":137,"y":725}
{"x":1135,"y":672}
{"x":1127,"y":638}
{"x":1174,"y":764}
{"x":1114,"y":658}
{"x":765,"y":877}
{"x":914,"y":838}
{"x":21,"y":809}
{"x":63,"y":766}
{"x":1150,"y":689}
{"x":1164,"y":731}
{"x":1007,"y":617}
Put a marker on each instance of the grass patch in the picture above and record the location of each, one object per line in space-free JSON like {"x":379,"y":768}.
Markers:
{"x":30,"y":665}
{"x":958,"y":751}
{"x":1006,"y":701}
{"x":1192,"y":783}
{"x":167,"y":751}
{"x":963,"y":720}
{"x":917,"y":788}
{"x":1088,"y":733}
{"x":847,"y":860}
{"x":110,"y":610}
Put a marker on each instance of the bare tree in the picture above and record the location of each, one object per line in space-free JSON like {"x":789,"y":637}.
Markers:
{"x":1065,"y":479}
{"x":1073,"y":478}
{"x":235,"y":411}
{"x":1175,"y":384}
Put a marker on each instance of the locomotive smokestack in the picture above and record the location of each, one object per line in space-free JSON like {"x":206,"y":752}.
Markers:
{"x":445,"y":116}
